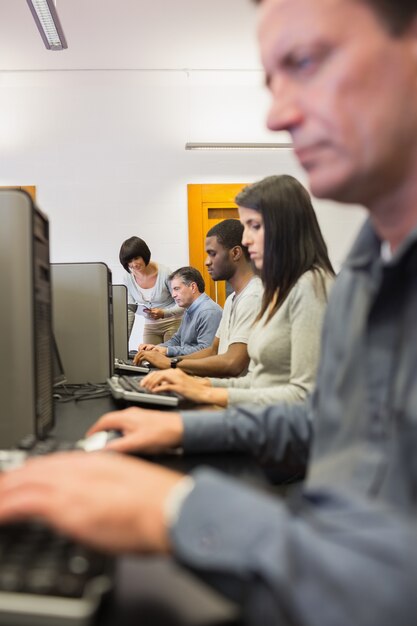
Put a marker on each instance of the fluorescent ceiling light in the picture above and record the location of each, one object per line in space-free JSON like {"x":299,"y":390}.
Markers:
{"x":47,"y":21}
{"x":238,"y":146}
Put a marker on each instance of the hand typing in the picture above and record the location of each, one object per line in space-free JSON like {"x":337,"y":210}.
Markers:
{"x":110,"y":502}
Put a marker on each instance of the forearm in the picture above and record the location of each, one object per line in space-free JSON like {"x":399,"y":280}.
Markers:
{"x":196,"y":338}
{"x":327,"y":565}
{"x":211,"y":395}
{"x":174,"y":342}
{"x":201,"y":354}
{"x":185,"y":349}
{"x":278,"y":435}
{"x":242,"y":382}
{"x":218,"y":365}
{"x":264,"y":396}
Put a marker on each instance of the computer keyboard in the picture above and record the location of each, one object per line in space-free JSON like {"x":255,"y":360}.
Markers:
{"x":128,"y":366}
{"x":47,"y":579}
{"x":128,"y":388}
{"x":35,"y":447}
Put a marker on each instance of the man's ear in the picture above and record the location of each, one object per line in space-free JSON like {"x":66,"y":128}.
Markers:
{"x":236,"y":253}
{"x":412,"y":34}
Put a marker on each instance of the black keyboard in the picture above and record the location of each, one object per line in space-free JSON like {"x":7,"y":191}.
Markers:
{"x":128,"y":388}
{"x":35,"y":559}
{"x":35,"y":447}
{"x":47,"y":579}
{"x":128,"y":366}
{"x":132,"y":384}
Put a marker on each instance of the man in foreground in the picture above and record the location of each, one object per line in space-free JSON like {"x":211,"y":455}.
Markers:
{"x":343,"y":79}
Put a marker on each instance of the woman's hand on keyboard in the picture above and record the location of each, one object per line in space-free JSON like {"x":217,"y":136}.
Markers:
{"x":193,"y":388}
{"x":143,"y":430}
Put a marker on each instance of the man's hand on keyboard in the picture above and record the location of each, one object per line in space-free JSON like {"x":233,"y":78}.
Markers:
{"x":111,"y":502}
{"x":143,"y":430}
{"x":146,"y":346}
{"x":155,"y":358}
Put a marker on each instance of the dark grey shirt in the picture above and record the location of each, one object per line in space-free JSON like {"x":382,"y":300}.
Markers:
{"x":346,"y":552}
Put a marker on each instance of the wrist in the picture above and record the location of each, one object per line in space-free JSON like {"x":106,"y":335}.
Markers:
{"x":176,"y":430}
{"x":154,"y":523}
{"x":175,"y":499}
{"x":216,"y":395}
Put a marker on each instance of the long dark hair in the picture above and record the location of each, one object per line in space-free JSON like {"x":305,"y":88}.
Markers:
{"x":293,"y":242}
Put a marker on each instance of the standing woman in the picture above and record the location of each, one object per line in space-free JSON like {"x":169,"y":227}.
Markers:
{"x":285,"y":244}
{"x":149,"y":292}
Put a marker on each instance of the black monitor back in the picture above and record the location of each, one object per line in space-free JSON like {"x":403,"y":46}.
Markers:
{"x":26,"y":405}
{"x":83,"y":320}
{"x":120,"y":324}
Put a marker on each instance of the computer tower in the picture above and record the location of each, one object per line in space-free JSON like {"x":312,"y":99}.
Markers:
{"x":26,"y":405}
{"x":83,"y":320}
{"x":120,"y":324}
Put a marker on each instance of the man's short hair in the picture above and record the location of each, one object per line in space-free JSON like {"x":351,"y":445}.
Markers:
{"x":229,"y":234}
{"x":133,"y":248}
{"x":395,"y":14}
{"x":189,"y":275}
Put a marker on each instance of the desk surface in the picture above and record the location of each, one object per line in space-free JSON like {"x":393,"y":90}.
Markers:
{"x":155,"y":591}
{"x":74,"y":418}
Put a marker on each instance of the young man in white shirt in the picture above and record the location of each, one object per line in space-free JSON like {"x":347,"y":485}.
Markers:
{"x":227,"y":260}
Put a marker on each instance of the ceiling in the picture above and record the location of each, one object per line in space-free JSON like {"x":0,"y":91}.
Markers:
{"x":134,"y":34}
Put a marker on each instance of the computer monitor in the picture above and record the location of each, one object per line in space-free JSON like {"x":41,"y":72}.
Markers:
{"x":59,"y":377}
{"x":120,"y":323}
{"x":82,"y":302}
{"x":26,"y":405}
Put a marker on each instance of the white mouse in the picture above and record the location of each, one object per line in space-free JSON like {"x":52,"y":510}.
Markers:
{"x":98,"y":440}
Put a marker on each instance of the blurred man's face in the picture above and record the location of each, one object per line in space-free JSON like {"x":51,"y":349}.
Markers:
{"x":346,"y":90}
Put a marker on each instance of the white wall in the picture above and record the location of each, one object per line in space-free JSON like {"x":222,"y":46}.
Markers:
{"x":105,"y":149}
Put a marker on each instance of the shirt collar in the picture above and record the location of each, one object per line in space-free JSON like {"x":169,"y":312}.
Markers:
{"x":196,"y":304}
{"x":368,"y":247}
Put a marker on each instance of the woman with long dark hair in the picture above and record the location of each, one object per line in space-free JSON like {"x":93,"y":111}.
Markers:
{"x":285,"y":243}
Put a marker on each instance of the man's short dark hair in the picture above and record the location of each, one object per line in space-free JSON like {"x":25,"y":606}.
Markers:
{"x":133,"y":248}
{"x":395,"y":14}
{"x":229,"y":234}
{"x":189,"y":275}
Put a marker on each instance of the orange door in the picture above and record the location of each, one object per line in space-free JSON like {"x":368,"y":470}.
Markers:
{"x":30,"y":189}
{"x":208,"y":205}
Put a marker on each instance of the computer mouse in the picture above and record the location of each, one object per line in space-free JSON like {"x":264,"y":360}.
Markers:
{"x":98,"y":440}
{"x":10,"y":459}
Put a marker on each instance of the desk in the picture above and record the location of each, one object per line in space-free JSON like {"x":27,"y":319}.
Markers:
{"x":155,"y":591}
